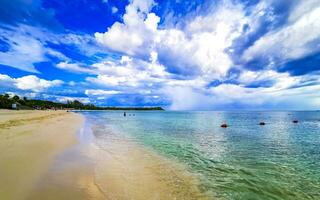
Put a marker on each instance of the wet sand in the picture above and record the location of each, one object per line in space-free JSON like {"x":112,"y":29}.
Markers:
{"x":134,"y":172}
{"x":29,"y":142}
{"x":114,"y":167}
{"x":42,"y":162}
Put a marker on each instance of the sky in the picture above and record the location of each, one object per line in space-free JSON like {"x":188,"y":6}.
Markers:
{"x":178,"y":54}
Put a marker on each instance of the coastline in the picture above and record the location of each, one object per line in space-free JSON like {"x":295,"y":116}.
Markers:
{"x":29,"y":142}
{"x":137,"y":172}
{"x":114,"y":167}
{"x":42,"y":157}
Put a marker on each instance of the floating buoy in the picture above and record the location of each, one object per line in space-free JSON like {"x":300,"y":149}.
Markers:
{"x":224,"y":125}
{"x":295,"y":121}
{"x":262,"y":123}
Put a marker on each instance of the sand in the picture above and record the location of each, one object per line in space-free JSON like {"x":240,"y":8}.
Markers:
{"x":42,"y":158}
{"x":116,"y":169}
{"x":135,"y":172}
{"x":29,"y":142}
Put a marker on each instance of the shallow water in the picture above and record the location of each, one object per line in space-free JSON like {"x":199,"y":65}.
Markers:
{"x":280,"y":160}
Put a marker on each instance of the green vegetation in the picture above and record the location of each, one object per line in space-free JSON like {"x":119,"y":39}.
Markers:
{"x":23,"y":103}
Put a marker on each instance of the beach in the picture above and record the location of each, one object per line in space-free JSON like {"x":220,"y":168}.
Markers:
{"x":158,"y":155}
{"x":53,"y":155}
{"x":29,"y":142}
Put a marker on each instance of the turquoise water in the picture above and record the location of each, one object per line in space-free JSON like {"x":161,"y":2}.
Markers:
{"x":280,"y":160}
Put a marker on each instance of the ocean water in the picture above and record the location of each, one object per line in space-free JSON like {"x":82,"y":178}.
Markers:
{"x":280,"y":160}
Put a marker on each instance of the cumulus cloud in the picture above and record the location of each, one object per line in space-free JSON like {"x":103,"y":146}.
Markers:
{"x":202,"y":46}
{"x":190,"y":56}
{"x":135,"y":33}
{"x":30,"y":82}
{"x":34,"y":83}
{"x":6,"y":81}
{"x":198,"y":48}
{"x":128,"y":72}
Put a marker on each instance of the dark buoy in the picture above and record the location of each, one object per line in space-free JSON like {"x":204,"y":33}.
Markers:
{"x":295,"y":121}
{"x":224,"y":125}
{"x":262,"y":123}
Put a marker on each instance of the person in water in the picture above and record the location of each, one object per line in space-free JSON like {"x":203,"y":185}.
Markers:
{"x":124,"y":114}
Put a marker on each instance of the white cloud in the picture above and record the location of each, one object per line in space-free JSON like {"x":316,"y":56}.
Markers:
{"x":280,"y":80}
{"x":34,"y":83}
{"x":30,"y":82}
{"x":6,"y":81}
{"x":27,"y":45}
{"x":186,"y":98}
{"x":198,"y":48}
{"x":298,"y":38}
{"x":57,"y":54}
{"x":151,"y":22}
{"x":135,"y":33}
{"x":101,"y":92}
{"x":178,"y":62}
{"x":23,"y":52}
{"x":231,"y":93}
{"x":128,"y":72}
{"x":231,"y":96}
{"x":74,"y":67}
{"x":285,"y":92}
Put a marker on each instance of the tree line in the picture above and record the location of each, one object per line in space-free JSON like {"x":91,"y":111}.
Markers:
{"x":6,"y":102}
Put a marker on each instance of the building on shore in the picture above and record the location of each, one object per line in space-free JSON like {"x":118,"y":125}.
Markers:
{"x":16,"y":106}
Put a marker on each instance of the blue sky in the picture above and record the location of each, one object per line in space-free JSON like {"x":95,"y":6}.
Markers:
{"x":182,"y":55}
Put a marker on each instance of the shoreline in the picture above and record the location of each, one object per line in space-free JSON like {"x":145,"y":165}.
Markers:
{"x":38,"y":161}
{"x":114,"y":167}
{"x":137,"y":172}
{"x":29,"y":142}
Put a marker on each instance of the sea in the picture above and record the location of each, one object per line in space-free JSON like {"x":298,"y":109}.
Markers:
{"x":246,"y":160}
